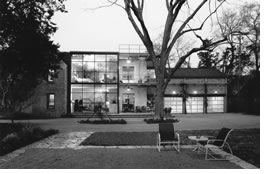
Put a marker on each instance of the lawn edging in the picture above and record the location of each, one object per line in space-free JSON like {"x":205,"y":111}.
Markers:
{"x":118,"y":121}
{"x":158,"y":120}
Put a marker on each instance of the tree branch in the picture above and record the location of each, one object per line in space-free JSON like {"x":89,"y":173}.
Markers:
{"x":144,"y":35}
{"x":171,"y":17}
{"x":177,"y":35}
{"x":183,"y":58}
{"x":202,"y":24}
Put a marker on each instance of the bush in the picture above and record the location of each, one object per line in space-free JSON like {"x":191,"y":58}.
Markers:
{"x":11,"y":141}
{"x":23,"y":137}
{"x":25,"y":116}
{"x":67,"y":116}
{"x":158,"y":120}
{"x":119,"y":121}
{"x":6,"y":128}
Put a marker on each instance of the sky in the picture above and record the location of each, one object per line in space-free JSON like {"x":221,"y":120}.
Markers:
{"x":84,"y":28}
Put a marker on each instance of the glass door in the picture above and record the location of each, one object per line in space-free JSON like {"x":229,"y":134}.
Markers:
{"x":128,"y":102}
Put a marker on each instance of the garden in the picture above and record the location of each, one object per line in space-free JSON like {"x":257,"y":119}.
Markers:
{"x":17,"y":135}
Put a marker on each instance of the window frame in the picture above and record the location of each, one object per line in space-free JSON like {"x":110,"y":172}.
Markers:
{"x":49,"y":101}
{"x":51,"y":75}
{"x":128,"y":73}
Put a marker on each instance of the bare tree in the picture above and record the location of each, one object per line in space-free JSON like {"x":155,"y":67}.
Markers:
{"x":242,"y":29}
{"x":134,"y":10}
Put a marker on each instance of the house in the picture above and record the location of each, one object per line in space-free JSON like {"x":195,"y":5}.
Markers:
{"x":125,"y":82}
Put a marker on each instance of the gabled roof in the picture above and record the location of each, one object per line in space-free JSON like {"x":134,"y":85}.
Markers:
{"x":198,"y":73}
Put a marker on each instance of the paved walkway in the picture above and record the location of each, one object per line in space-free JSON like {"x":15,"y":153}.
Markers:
{"x":63,"y":150}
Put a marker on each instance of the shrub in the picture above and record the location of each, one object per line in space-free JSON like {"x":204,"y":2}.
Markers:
{"x":67,"y":116}
{"x":119,"y":121}
{"x":10,"y":142}
{"x":6,"y":129}
{"x":27,"y":135}
{"x":25,"y":116}
{"x":158,"y":120}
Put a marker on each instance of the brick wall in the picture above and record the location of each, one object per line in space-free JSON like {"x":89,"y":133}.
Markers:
{"x":57,"y":87}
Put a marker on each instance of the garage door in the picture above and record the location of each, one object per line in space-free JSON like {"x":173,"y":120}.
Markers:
{"x":215,"y":104}
{"x":194,"y":105}
{"x":175,"y":103}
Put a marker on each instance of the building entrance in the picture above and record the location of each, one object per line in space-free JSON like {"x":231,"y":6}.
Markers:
{"x":128,"y":101}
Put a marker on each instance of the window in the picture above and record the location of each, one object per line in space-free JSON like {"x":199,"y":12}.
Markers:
{"x":215,"y":104}
{"x":194,"y":105}
{"x":175,"y":103}
{"x":94,"y":82}
{"x":51,"y":75}
{"x":94,"y":68}
{"x":128,"y":73}
{"x":51,"y":101}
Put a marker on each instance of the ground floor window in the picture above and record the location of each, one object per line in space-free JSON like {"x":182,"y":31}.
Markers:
{"x":175,"y":103}
{"x":51,"y":101}
{"x":85,"y":97}
{"x":215,"y":104}
{"x":194,"y":105}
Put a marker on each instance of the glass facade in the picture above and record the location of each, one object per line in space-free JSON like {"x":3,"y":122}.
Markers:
{"x":194,"y":105}
{"x":175,"y":103}
{"x":94,"y":82}
{"x":215,"y":104}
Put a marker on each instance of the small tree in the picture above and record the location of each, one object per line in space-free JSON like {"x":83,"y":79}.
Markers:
{"x":242,"y":29}
{"x":26,"y":50}
{"x":208,"y":59}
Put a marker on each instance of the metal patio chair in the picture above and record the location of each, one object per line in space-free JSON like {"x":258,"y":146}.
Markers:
{"x":216,"y":143}
{"x":167,"y":136}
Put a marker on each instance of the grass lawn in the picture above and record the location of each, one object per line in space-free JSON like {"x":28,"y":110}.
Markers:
{"x":245,"y":143}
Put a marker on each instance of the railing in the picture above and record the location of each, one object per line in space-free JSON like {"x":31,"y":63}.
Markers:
{"x":139,"y":80}
{"x":132,"y":48}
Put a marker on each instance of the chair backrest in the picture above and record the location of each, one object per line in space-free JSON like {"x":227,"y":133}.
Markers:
{"x":166,"y":131}
{"x":222,"y":135}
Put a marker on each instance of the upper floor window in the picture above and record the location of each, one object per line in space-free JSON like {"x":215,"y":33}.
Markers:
{"x":127,"y":72}
{"x":51,"y":101}
{"x":51,"y":75}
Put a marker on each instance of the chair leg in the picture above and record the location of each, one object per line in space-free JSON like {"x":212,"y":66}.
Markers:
{"x":158,"y":145}
{"x":230,"y":149}
{"x":206,"y":153}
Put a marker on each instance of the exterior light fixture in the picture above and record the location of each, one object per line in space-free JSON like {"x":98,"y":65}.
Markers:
{"x":107,"y":102}
{"x":215,"y":92}
{"x":128,"y":88}
{"x":195,"y":92}
{"x":128,"y":61}
{"x":173,"y":92}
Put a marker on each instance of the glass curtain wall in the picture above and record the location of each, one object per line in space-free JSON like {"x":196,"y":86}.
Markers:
{"x":94,"y":79}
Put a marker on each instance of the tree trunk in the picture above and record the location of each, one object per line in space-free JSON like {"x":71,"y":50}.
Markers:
{"x":184,"y":105}
{"x":159,"y":102}
{"x":159,"y":97}
{"x":3,"y":100}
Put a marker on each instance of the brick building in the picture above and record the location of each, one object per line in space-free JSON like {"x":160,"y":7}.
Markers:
{"x":125,"y":82}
